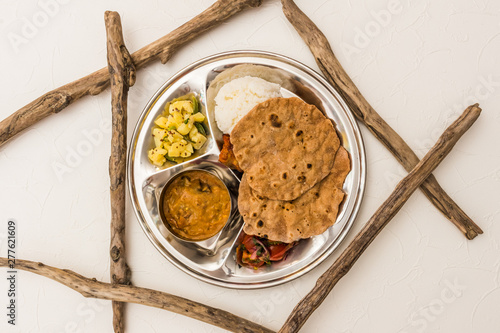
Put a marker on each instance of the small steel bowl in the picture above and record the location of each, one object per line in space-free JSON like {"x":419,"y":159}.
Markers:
{"x":201,"y":242}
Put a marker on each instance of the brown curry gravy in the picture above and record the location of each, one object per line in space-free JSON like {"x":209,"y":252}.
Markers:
{"x":195,"y":205}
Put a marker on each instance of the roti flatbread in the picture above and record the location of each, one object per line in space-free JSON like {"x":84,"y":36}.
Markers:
{"x":285,"y":147}
{"x":309,"y":215}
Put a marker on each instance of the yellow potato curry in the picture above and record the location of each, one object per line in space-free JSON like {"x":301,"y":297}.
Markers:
{"x":178,"y":131}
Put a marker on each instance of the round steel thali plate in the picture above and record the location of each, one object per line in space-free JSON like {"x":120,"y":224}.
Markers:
{"x":213,"y":260}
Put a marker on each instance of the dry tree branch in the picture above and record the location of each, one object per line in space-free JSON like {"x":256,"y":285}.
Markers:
{"x":122,"y":73}
{"x":131,"y":294}
{"x":93,"y":84}
{"x":364,"y":112}
{"x":379,"y":220}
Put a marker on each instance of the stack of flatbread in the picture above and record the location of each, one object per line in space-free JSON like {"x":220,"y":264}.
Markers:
{"x":294,"y":169}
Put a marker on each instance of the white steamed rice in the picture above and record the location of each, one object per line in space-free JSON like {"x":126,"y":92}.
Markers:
{"x":237,"y":97}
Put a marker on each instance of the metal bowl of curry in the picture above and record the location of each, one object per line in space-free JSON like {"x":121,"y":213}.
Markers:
{"x":213,"y":259}
{"x":195,"y":205}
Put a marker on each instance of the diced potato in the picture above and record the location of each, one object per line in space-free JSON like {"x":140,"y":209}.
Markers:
{"x":161,"y":122}
{"x":160,"y":151}
{"x":157,"y":156}
{"x":159,"y":161}
{"x":188,"y":106}
{"x":172,"y":108}
{"x":174,"y":136}
{"x":174,"y":151}
{"x":188,"y":119}
{"x":177,"y":148}
{"x":171,"y":123}
{"x":190,"y":148}
{"x":158,"y":135}
{"x":193,"y":132}
{"x":166,"y":145}
{"x":198,"y":117}
{"x":161,"y":133}
{"x":198,"y":141}
{"x":184,"y":129}
{"x":158,"y":141}
{"x":185,"y":106}
{"x":150,"y":154}
{"x":178,"y":119}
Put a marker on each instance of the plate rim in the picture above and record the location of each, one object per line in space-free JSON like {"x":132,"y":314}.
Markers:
{"x":343,"y":232}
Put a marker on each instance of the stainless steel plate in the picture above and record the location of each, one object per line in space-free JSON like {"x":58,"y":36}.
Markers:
{"x":213,"y":260}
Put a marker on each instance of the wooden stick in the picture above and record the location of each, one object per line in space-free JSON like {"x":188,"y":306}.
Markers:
{"x":379,"y":220}
{"x":364,"y":112}
{"x":93,"y":84}
{"x":122,"y":73}
{"x":131,"y":294}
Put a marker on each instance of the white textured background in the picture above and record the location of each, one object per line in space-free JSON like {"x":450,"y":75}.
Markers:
{"x":419,"y":70}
